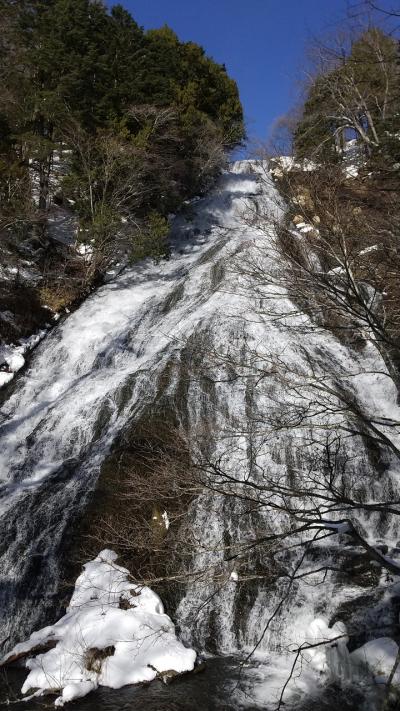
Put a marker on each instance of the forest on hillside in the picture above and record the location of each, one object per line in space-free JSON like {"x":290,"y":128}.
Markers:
{"x":105,"y":130}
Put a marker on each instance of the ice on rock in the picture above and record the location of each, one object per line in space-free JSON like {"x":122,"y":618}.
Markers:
{"x":101,"y":642}
{"x":329,"y":654}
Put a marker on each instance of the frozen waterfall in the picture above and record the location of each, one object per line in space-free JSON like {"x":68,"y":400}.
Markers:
{"x":99,"y":369}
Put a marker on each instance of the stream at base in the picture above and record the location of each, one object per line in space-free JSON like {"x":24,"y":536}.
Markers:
{"x":222,"y":686}
{"x":219,"y":686}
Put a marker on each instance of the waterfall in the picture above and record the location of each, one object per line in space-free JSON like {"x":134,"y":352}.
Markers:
{"x":96,"y":370}
{"x":100,"y":368}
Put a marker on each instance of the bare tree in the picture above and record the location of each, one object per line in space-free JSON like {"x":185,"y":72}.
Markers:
{"x":310,"y":283}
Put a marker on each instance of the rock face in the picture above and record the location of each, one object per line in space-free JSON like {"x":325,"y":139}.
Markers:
{"x":187,"y":336}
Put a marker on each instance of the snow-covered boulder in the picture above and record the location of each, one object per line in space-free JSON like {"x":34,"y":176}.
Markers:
{"x":114,"y":633}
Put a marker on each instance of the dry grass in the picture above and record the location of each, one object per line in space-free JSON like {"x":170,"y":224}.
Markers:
{"x":57,"y":297}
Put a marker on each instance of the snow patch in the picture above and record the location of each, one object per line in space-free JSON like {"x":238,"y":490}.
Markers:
{"x":351,"y":171}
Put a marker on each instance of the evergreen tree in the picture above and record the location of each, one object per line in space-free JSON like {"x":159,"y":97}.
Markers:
{"x":143,"y":116}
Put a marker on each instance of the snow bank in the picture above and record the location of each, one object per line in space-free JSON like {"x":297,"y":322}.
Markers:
{"x":113,"y":633}
{"x":285,"y":164}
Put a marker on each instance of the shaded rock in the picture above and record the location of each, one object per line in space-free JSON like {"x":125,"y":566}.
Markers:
{"x":40,"y":649}
{"x":94,"y":657}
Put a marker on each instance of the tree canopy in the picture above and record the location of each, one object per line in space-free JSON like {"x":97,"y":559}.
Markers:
{"x":355,"y":94}
{"x":139,"y":120}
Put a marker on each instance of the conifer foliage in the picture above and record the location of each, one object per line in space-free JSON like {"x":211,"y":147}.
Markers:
{"x":136,"y":122}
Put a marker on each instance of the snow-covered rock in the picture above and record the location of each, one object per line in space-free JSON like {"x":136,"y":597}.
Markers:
{"x":12,"y":357}
{"x":378,"y":657}
{"x":113,"y":633}
{"x":285,"y":164}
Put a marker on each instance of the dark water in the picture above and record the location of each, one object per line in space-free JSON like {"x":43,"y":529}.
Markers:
{"x":219,"y":687}
{"x":222,"y":686}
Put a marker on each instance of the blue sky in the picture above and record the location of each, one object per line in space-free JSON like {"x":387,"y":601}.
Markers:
{"x":262,"y":43}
